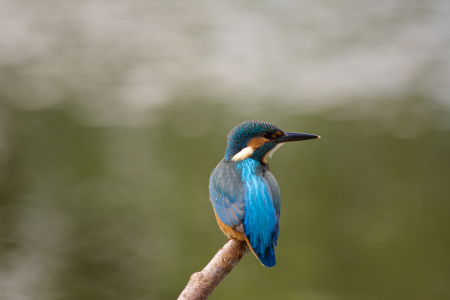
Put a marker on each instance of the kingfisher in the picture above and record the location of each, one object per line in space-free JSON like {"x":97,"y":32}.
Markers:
{"x":244,"y":193}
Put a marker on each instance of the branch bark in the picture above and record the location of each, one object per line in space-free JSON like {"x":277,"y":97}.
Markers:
{"x":203,"y":283}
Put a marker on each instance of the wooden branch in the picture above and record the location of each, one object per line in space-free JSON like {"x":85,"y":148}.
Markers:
{"x":203,"y":283}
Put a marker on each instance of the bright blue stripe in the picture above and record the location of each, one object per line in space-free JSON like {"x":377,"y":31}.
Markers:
{"x":260,"y":220}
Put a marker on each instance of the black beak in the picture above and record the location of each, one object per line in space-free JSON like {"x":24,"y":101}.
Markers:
{"x":294,"y":136}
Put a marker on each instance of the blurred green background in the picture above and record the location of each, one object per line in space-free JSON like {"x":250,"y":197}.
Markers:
{"x":112,"y":117}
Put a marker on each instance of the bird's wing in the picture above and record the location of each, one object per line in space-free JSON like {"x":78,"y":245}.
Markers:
{"x":226,"y":191}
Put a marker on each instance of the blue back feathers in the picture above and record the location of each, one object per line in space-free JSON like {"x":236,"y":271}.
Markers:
{"x":261,"y":214}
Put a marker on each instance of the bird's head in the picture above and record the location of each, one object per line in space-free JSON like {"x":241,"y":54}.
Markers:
{"x":258,"y":140}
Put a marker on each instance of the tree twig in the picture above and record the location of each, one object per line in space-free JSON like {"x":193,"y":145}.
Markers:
{"x":203,"y":283}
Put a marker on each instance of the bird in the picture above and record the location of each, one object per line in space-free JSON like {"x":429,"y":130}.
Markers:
{"x":245,"y":195}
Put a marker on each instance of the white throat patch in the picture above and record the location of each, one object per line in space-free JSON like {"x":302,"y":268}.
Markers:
{"x":270,"y":153}
{"x":243,"y":154}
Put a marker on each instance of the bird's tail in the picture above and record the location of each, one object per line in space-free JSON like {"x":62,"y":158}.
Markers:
{"x":267,"y":258}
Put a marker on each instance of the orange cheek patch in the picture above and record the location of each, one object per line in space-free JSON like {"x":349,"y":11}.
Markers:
{"x":257,"y":142}
{"x":279,"y":133}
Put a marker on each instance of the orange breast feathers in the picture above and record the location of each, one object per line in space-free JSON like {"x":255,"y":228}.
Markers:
{"x":229,"y":231}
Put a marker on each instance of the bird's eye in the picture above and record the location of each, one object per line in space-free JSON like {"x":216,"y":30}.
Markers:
{"x":266,"y":135}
